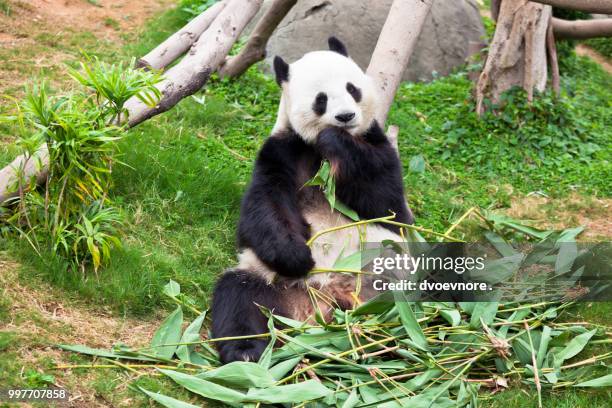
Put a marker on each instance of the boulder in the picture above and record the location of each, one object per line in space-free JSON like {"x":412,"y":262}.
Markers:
{"x":442,"y":45}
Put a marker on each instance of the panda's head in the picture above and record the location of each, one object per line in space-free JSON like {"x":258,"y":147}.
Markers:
{"x":324,"y":89}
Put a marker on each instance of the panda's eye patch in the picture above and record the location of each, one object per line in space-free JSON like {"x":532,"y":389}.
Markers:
{"x":354,"y":91}
{"x":320,"y":104}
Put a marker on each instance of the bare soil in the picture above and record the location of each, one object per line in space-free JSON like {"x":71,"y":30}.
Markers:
{"x":586,"y":51}
{"x":42,"y":317}
{"x":39,"y":35}
{"x":105,"y":18}
{"x":595,"y":214}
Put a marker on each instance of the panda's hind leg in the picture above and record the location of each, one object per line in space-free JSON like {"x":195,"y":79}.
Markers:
{"x":235,"y":313}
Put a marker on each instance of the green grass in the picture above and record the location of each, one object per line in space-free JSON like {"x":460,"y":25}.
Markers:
{"x":5,"y":8}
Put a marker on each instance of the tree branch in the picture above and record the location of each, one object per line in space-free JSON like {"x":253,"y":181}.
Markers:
{"x":255,"y":49}
{"x":178,"y":43}
{"x":394,"y":48}
{"x":553,"y":61}
{"x":582,"y":29}
{"x":589,"y":6}
{"x":204,"y":57}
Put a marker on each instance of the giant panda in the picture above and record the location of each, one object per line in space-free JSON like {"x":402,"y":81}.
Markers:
{"x":326,"y":112}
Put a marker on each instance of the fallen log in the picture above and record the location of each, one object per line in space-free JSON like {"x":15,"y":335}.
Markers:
{"x":204,"y":57}
{"x":178,"y":43}
{"x":582,"y":29}
{"x":589,"y":6}
{"x":24,"y":168}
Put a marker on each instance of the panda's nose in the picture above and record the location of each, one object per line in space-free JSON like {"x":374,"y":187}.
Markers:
{"x":345,"y":117}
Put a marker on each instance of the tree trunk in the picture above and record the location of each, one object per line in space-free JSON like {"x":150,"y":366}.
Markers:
{"x":255,"y":49}
{"x":517,"y":54}
{"x":582,"y":29}
{"x":204,"y":57}
{"x":23,"y":168}
{"x":589,"y":6}
{"x":394,"y":48}
{"x":178,"y":43}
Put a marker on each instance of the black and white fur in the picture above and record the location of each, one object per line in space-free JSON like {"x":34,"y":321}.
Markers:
{"x":326,"y":112}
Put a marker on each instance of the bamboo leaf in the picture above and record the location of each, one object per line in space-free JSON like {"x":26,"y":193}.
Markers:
{"x":281,"y":369}
{"x":168,"y":333}
{"x":101,"y":353}
{"x":485,"y":311}
{"x":205,"y":388}
{"x":352,"y":400}
{"x":417,"y":164}
{"x":172,"y":289}
{"x":543,"y":348}
{"x":166,"y":401}
{"x":240,"y":374}
{"x":266,"y":357}
{"x":452,"y":316}
{"x":500,"y":244}
{"x":410,"y":323}
{"x":575,"y":346}
{"x":605,"y":381}
{"x":191,"y":334}
{"x":293,"y":393}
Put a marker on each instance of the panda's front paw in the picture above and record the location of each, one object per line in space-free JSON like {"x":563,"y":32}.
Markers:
{"x":242,"y":350}
{"x":331,"y":135}
{"x":293,"y":259}
{"x":332,"y":142}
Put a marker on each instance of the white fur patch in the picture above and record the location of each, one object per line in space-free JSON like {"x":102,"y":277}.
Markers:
{"x":249,"y":261}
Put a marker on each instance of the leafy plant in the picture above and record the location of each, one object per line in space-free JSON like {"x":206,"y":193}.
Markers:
{"x":74,"y":216}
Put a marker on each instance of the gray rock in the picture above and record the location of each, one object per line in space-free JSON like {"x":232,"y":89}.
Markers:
{"x":442,"y":45}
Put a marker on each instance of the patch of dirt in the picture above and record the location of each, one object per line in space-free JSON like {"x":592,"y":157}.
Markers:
{"x":105,"y":18}
{"x":586,"y":51}
{"x":38,"y":36}
{"x":594,"y":214}
{"x":40,"y":319}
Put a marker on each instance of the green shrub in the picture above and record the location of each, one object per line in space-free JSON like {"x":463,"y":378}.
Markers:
{"x":73,"y":216}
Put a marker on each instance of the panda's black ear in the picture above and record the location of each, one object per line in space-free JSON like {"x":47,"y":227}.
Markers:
{"x":336,"y":45}
{"x":281,"y":69}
